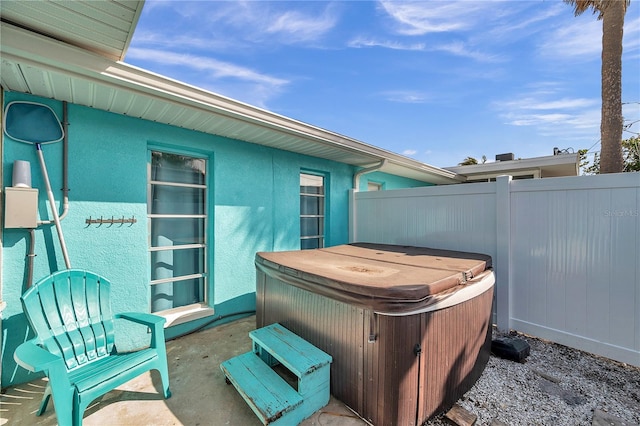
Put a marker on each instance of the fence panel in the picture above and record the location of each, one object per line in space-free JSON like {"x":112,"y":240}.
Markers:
{"x":455,"y":217}
{"x":575,"y":250}
{"x":571,"y":250}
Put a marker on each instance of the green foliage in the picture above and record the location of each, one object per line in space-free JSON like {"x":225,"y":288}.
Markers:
{"x":630,"y":154}
{"x":469,"y":161}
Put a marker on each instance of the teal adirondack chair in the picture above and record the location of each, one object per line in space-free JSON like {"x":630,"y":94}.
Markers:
{"x":70,"y":314}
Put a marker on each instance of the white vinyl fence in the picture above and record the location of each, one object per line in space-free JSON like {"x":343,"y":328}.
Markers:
{"x":566,"y":251}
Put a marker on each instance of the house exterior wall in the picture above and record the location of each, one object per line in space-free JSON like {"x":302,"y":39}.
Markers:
{"x":253,"y":206}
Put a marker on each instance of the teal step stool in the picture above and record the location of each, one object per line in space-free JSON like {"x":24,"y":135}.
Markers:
{"x":271,"y":398}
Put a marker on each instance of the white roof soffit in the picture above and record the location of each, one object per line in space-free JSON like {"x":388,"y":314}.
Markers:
{"x":552,"y":165}
{"x":48,"y":68}
{"x":102,"y":27}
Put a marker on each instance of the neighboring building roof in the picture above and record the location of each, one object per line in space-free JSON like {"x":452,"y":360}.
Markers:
{"x":539,"y":167}
{"x":102,"y":27}
{"x":73,"y":71}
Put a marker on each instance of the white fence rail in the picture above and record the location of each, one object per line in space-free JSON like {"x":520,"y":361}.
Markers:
{"x":566,"y":251}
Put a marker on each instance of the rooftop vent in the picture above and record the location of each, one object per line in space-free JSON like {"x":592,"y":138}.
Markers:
{"x":505,"y":157}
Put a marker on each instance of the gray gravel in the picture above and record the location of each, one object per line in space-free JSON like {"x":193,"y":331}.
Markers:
{"x":556,"y":385}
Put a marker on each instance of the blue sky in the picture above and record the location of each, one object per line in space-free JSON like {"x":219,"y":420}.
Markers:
{"x":436,"y":81}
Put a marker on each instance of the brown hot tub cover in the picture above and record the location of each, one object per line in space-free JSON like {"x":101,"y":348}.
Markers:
{"x":385,"y":278}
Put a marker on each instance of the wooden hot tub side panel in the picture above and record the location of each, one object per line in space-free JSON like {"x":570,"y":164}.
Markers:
{"x":456,"y":348}
{"x":398,"y":376}
{"x":385,"y":381}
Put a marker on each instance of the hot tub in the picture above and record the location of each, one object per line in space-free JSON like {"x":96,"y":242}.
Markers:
{"x":409,"y":328}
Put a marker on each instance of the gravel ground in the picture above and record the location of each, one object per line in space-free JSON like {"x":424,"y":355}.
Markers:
{"x":556,"y":385}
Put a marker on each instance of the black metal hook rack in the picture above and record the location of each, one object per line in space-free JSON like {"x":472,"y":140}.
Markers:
{"x":110,"y":221}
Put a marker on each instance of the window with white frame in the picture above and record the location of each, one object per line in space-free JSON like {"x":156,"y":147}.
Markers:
{"x":312,"y":211}
{"x":177,"y":212}
{"x":374,"y":186}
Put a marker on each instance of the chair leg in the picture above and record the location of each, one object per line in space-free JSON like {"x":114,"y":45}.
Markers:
{"x":45,"y":400}
{"x":78,"y":413}
{"x":164,"y":376}
{"x":63,"y":401}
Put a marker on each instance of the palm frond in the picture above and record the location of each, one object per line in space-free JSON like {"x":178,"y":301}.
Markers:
{"x":597,"y":6}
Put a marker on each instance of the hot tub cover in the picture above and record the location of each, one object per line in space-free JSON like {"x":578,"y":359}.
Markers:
{"x":382,"y":277}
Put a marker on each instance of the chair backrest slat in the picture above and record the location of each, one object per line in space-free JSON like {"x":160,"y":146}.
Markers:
{"x":51,"y":310}
{"x":62,"y":288}
{"x":35,"y":313}
{"x":70,"y":312}
{"x":78,"y":295}
{"x":99,"y":311}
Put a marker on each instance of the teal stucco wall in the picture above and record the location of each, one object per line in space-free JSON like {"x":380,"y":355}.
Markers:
{"x":254,"y":199}
{"x":253,"y":206}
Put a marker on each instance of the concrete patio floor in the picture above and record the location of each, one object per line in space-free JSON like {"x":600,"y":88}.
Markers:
{"x":200,"y":394}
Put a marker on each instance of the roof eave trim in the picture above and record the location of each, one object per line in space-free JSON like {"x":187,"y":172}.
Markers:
{"x":24,"y":46}
{"x":134,"y":24}
{"x":525,"y":163}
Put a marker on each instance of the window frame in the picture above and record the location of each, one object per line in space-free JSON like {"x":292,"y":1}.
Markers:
{"x":325,"y":202}
{"x":201,"y":309}
{"x":373,"y":185}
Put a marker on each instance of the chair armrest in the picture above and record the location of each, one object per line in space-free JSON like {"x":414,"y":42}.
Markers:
{"x":34,"y":358}
{"x":154,"y":322}
{"x":149,"y":320}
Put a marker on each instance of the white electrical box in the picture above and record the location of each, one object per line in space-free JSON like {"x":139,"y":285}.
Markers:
{"x":20,"y":207}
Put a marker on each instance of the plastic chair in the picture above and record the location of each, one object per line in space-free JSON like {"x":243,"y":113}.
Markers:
{"x":70,"y":313}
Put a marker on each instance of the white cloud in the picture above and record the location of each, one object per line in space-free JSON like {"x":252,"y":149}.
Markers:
{"x":461,"y":49}
{"x":300,"y":27}
{"x":409,"y":152}
{"x":579,"y":39}
{"x":215,"y":68}
{"x":523,"y":24}
{"x":406,"y":96}
{"x":527,"y":119}
{"x":552,"y":114}
{"x":227,"y":79}
{"x":209,"y":24}
{"x":579,"y":122}
{"x":458,"y":48}
{"x":583,"y":38}
{"x":182,"y":41}
{"x":395,"y":45}
{"x":418,"y":18}
{"x":471,"y":22}
{"x":533,"y":103}
{"x":255,"y":20}
{"x":631,"y":41}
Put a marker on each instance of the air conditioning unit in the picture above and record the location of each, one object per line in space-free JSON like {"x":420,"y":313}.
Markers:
{"x":505,"y":157}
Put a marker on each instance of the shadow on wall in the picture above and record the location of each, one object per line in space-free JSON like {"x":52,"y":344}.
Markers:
{"x":15,"y":330}
{"x":14,"y":237}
